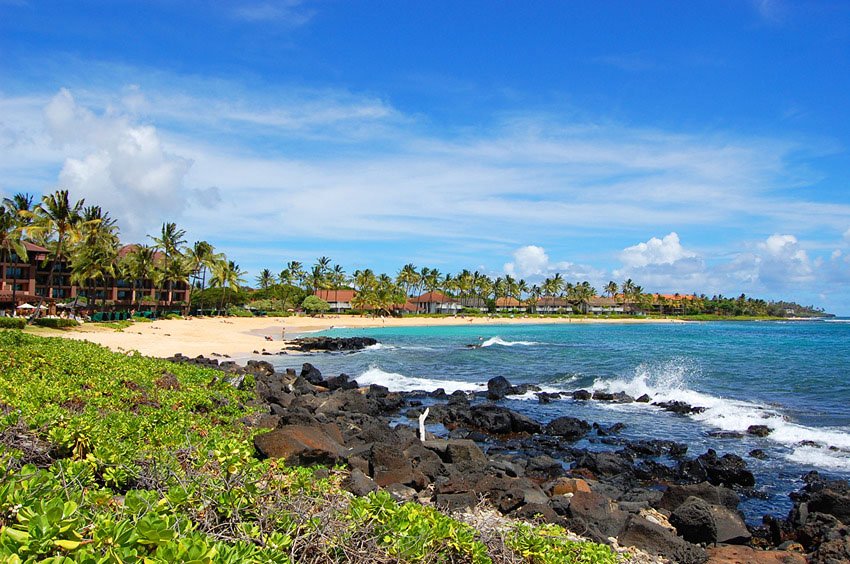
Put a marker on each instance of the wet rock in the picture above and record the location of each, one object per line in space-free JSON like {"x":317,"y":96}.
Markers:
{"x":726,"y":434}
{"x":729,"y":469}
{"x":657,"y":447}
{"x":308,"y":344}
{"x":582,"y":395}
{"x":758,"y":453}
{"x":610,"y":430}
{"x":498,"y":388}
{"x":679,"y":407}
{"x":644,"y":399}
{"x":570,"y":428}
{"x":547,"y":397}
{"x":758,"y":430}
{"x":606,"y":463}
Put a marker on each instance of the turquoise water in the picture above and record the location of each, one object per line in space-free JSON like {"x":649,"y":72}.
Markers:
{"x":791,"y":376}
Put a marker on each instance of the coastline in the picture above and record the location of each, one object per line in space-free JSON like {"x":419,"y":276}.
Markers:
{"x":239,"y":337}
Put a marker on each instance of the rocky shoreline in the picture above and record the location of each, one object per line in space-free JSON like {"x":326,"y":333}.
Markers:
{"x":650,"y":494}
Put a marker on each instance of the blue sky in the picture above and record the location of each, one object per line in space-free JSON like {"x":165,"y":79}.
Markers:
{"x":691,"y":146}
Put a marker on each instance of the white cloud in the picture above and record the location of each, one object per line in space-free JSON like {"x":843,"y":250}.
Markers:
{"x":528,"y":260}
{"x":118,"y":164}
{"x":782,"y":262}
{"x":532,"y":262}
{"x":666,"y":250}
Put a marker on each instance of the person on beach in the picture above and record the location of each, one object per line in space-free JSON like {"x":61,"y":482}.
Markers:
{"x":283,"y":333}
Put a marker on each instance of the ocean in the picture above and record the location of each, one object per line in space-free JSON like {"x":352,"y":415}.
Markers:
{"x":792,"y":376}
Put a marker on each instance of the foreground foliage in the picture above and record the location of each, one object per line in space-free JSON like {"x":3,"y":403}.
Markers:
{"x":114,"y":458}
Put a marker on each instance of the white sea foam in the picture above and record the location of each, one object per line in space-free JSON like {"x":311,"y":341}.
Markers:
{"x":823,"y":458}
{"x":499,"y":341}
{"x":379,"y":347}
{"x":401,"y":383}
{"x":668,"y":382}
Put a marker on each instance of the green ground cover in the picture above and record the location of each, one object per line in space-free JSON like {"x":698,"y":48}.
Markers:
{"x":106,"y":457}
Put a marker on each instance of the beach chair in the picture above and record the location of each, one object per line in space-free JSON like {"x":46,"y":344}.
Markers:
{"x":97,"y":317}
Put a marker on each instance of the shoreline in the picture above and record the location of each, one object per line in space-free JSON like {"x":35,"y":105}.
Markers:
{"x":239,"y":337}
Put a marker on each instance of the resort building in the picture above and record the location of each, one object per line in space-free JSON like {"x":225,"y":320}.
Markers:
{"x":671,"y":304}
{"x":31,"y":281}
{"x":339,"y":300}
{"x":551,"y":304}
{"x":512,"y":305}
{"x":436,"y":302}
{"x":600,"y":305}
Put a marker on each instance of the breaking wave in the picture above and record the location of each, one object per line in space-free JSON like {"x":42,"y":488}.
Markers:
{"x":668,"y":381}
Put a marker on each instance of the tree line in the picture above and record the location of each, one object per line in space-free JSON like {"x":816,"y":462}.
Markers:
{"x":87,"y":238}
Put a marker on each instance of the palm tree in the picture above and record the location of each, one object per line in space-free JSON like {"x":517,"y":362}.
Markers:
{"x":337,"y":279}
{"x":611,"y":288}
{"x":265,"y":279}
{"x":534,"y":295}
{"x":316,"y":279}
{"x":139,"y":265}
{"x":628,"y":288}
{"x":201,"y":255}
{"x":226,"y":275}
{"x":522,"y":288}
{"x":408,"y":278}
{"x":58,"y":220}
{"x":170,"y":241}
{"x":11,"y":241}
{"x":94,"y":257}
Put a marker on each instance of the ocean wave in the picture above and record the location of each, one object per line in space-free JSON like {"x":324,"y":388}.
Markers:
{"x":400,"y":383}
{"x":379,"y":347}
{"x":502,"y":343}
{"x":668,"y":381}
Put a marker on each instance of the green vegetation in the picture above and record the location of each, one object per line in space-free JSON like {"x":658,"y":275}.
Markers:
{"x":56,"y":322}
{"x":315,"y":304}
{"x":114,"y":458}
{"x":12,"y":322}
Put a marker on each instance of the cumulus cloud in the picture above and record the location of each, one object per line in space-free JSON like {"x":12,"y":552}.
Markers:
{"x":528,"y":260}
{"x":532,"y":262}
{"x":663,"y":264}
{"x":666,"y":250}
{"x":782,"y":262}
{"x":119,"y":165}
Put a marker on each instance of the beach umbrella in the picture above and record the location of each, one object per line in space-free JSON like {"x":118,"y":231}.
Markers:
{"x":25,"y":306}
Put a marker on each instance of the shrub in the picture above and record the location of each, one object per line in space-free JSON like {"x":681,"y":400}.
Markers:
{"x":173,"y":316}
{"x":12,"y":322}
{"x":56,"y":322}
{"x":315,"y":304}
{"x":239,"y":312}
{"x":278,"y":314}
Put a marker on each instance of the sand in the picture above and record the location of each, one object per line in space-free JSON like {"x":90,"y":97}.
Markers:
{"x":239,"y":337}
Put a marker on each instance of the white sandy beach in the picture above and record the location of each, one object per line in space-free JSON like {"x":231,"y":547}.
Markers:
{"x":239,"y":337}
